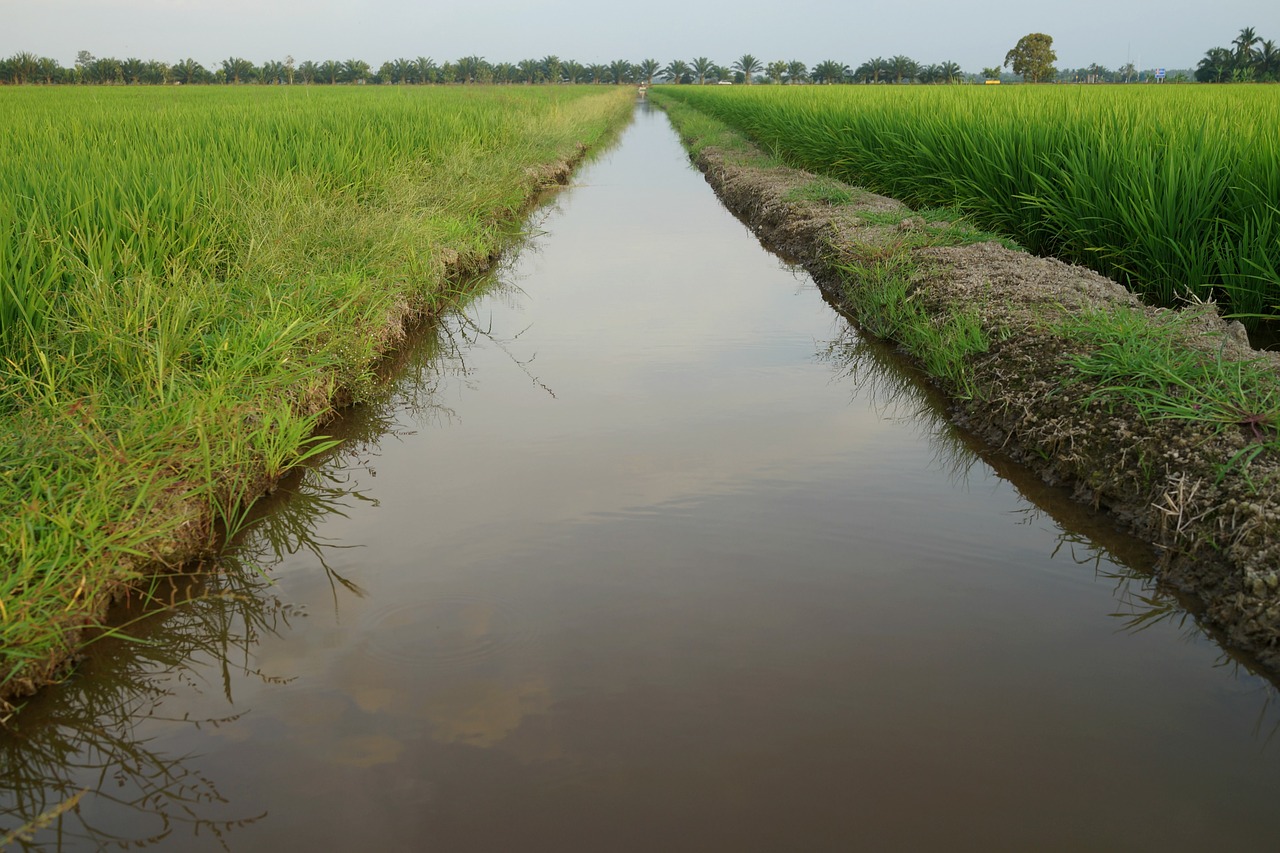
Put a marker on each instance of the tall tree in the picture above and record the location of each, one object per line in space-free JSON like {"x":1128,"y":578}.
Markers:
{"x":528,"y":71}
{"x":904,"y":68}
{"x":1244,"y":45}
{"x":646,"y":70}
{"x":700,"y":68}
{"x":1032,"y":57}
{"x":830,"y":71}
{"x":776,"y":70}
{"x":677,"y":71}
{"x":188,"y":72}
{"x":552,"y":69}
{"x":620,"y":71}
{"x":356,"y":71}
{"x":1216,"y":67}
{"x":797,"y":71}
{"x":132,"y":69}
{"x":505,"y":72}
{"x":573,"y":71}
{"x":951,"y":71}
{"x":426,"y":69}
{"x":747,"y":65}
{"x":235,"y":69}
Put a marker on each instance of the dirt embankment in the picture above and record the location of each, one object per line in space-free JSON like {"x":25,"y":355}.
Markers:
{"x":1206,"y":492}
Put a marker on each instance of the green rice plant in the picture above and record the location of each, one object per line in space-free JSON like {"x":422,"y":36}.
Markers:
{"x":1171,"y":190}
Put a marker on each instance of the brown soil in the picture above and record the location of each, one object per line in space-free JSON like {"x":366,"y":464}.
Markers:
{"x":1218,"y":534}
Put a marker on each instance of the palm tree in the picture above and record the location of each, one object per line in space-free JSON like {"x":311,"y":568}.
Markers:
{"x":904,"y":68}
{"x":308,"y":70}
{"x":646,"y":70}
{"x":133,"y":67}
{"x":355,"y":71}
{"x":573,"y":71}
{"x":1244,"y":45}
{"x":797,"y":71}
{"x":620,"y":71}
{"x":700,"y":68}
{"x":233,"y":69}
{"x":1269,"y":60}
{"x":23,"y":67}
{"x":552,"y":68}
{"x":747,"y":65}
{"x":1216,"y":66}
{"x":468,"y":69}
{"x":505,"y":73}
{"x":677,"y":71}
{"x":776,"y":70}
{"x":107,"y":70}
{"x":48,"y":69}
{"x":426,"y":69}
{"x":830,"y":71}
{"x":596,"y":72}
{"x":188,"y":71}
{"x":528,"y":71}
{"x":951,"y":71}
{"x":271,"y":72}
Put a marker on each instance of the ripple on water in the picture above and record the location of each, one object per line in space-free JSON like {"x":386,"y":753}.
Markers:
{"x":450,"y":631}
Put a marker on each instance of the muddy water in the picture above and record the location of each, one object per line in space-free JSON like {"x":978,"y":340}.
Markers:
{"x":647,"y":550}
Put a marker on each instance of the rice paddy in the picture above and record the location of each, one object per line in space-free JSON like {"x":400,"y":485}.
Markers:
{"x":189,"y":280}
{"x":1172,"y":190}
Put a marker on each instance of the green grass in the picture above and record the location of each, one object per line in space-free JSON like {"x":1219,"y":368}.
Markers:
{"x":1173,"y":191}
{"x":190,"y":278}
{"x":1133,"y":362}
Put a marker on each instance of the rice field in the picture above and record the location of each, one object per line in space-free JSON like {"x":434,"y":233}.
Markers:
{"x":190,"y":277}
{"x":1172,"y":190}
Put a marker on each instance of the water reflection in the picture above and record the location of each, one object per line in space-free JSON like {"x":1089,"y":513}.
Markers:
{"x":900,"y":393}
{"x":76,"y":770}
{"x":81,"y":739}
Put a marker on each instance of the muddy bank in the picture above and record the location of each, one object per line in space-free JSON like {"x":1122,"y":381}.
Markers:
{"x":1058,"y":367}
{"x":190,"y":527}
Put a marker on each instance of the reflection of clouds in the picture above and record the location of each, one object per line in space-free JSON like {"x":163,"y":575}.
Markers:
{"x":484,"y":713}
{"x":366,"y":750}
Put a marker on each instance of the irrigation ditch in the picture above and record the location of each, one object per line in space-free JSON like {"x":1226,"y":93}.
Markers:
{"x":1165,"y":419}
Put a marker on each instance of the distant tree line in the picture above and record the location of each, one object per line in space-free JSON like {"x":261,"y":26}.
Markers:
{"x":1250,"y":58}
{"x":88,"y":69}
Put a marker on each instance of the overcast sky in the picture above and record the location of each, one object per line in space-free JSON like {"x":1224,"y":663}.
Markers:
{"x":1171,"y":34}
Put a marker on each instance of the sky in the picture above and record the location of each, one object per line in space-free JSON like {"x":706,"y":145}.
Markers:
{"x":1170,"y":34}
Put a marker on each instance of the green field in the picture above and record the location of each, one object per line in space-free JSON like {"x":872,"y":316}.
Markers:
{"x":189,"y":279}
{"x":1174,"y":191}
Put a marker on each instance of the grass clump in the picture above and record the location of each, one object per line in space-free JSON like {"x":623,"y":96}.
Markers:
{"x":190,"y":280}
{"x":823,"y":191}
{"x":1129,"y":361}
{"x":881,"y":294}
